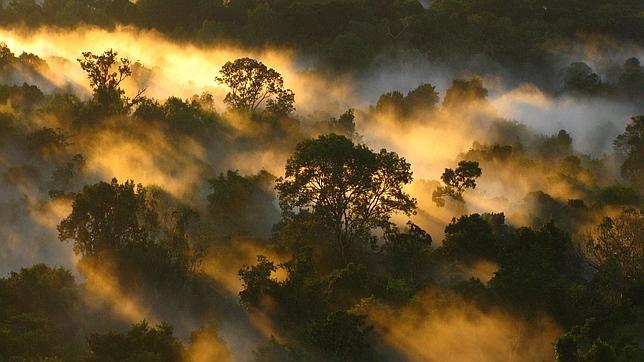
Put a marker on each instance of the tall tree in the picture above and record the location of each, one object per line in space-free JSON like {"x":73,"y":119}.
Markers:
{"x":109,"y":217}
{"x":251,"y":84}
{"x":457,"y":181}
{"x":105,"y":76}
{"x":349,"y":187}
{"x":464,"y":91}
{"x":618,"y":243}
{"x":630,"y":145}
{"x":141,"y":343}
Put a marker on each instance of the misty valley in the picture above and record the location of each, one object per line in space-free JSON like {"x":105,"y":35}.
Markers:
{"x":322,"y":180}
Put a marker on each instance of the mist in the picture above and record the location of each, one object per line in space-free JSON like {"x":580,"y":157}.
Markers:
{"x":153,"y":203}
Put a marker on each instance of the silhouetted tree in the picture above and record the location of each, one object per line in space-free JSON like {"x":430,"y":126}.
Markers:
{"x":618,"y":244}
{"x":349,"y":187}
{"x":344,"y":125}
{"x":243,"y":204}
{"x":464,"y":91}
{"x":391,"y":102}
{"x":422,"y":97}
{"x":631,"y":81}
{"x":471,"y":237}
{"x":256,"y":281}
{"x":118,"y":223}
{"x":342,"y":336}
{"x":141,"y":343}
{"x":408,"y":252}
{"x":252,"y":83}
{"x":109,"y":217}
{"x":105,"y":76}
{"x":579,"y":78}
{"x":457,"y":181}
{"x":630,"y":145}
{"x":39,"y":315}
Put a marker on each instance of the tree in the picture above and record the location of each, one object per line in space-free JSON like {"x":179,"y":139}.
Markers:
{"x":422,"y":97}
{"x":556,"y":146}
{"x":619,"y":243}
{"x":256,"y":281}
{"x":464,"y":91}
{"x":393,"y":102}
{"x":630,"y":145}
{"x":457,"y":181}
{"x":105,"y":81}
{"x":471,"y":237}
{"x":119,"y":223}
{"x":344,"y":125}
{"x":539,"y":269}
{"x":631,"y":81}
{"x":252,"y":83}
{"x":141,"y":343}
{"x":408,"y":252}
{"x":350,"y":188}
{"x":6,"y":56}
{"x":109,"y":217}
{"x":39,"y":316}
{"x":243,"y":204}
{"x":342,"y":336}
{"x":579,"y":78}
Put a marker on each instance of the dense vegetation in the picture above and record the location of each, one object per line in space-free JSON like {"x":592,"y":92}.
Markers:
{"x":348,"y":34}
{"x":339,"y":238}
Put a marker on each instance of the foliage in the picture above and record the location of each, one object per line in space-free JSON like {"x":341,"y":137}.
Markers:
{"x":344,"y":125}
{"x":252,"y":83}
{"x":472,"y":237}
{"x":39,"y":314}
{"x":141,"y":343}
{"x":109,"y":217}
{"x":579,"y":78}
{"x":256,"y":280}
{"x":105,"y":81}
{"x":349,"y":187}
{"x":630,"y":145}
{"x":617,"y":244}
{"x":463,"y":92}
{"x":342,"y":336}
{"x":118,"y":221}
{"x":457,"y":181}
{"x":422,"y":98}
{"x":408,"y":252}
{"x":243,"y":204}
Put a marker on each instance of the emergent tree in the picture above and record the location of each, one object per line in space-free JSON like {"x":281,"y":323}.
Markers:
{"x":350,"y":188}
{"x":251,"y":84}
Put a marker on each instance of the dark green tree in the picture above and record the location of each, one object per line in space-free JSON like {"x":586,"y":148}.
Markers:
{"x":423,"y":97}
{"x":579,"y":78}
{"x":350,"y":188}
{"x":106,"y":73}
{"x":251,"y":84}
{"x":471,"y":237}
{"x":109,"y":217}
{"x":243,"y":204}
{"x":464,"y":91}
{"x":118,"y":223}
{"x":256,"y":281}
{"x":616,"y":246}
{"x":342,"y":336}
{"x":457,"y":181}
{"x":141,"y":343}
{"x":408,"y":252}
{"x":630,"y":145}
{"x":39,"y":315}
